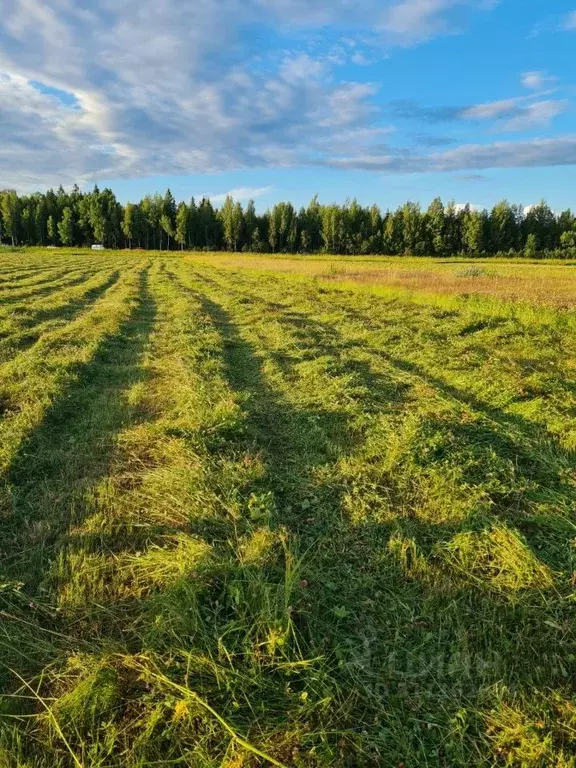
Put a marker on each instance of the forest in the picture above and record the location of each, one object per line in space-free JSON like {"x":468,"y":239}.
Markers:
{"x":79,"y":218}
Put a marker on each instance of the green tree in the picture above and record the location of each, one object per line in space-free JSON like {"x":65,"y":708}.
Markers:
{"x":413,"y":230}
{"x":257,"y":244}
{"x":128,"y":223}
{"x":168,"y":215}
{"x":10,"y":209}
{"x":231,"y":222}
{"x":333,"y":228}
{"x":66,"y":227}
{"x":168,"y":227}
{"x":40,"y":218}
{"x":566,"y":222}
{"x":568,"y":243}
{"x":314,"y":224}
{"x":182,"y":221}
{"x":208,"y":225}
{"x":435,"y":226}
{"x":394,"y":232}
{"x":193,"y":225}
{"x":375,"y":240}
{"x":356,"y":227}
{"x":152,"y":212}
{"x":250,"y":221}
{"x":27,"y":221}
{"x":52,"y":230}
{"x":282,"y":229}
{"x":474,"y":231}
{"x":169,"y":205}
{"x":531,"y":247}
{"x":97,"y":215}
{"x":541,"y":222}
{"x":503,"y":227}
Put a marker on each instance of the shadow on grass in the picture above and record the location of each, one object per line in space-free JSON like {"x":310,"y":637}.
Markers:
{"x":293,"y":441}
{"x":70,"y":450}
{"x":68,"y":310}
{"x":15,"y":342}
{"x":44,"y":292}
{"x":416,"y":619}
{"x":378,"y":608}
{"x":511,"y":436}
{"x":540,"y":471}
{"x":540,"y":464}
{"x":20,"y":274}
{"x":50,"y":276}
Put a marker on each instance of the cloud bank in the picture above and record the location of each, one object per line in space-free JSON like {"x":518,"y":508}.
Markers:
{"x":107,"y":90}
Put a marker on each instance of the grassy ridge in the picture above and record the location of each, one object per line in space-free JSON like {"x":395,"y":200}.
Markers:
{"x":249,"y":520}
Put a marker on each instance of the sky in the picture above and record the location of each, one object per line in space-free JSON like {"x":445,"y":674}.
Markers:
{"x":382,"y":100}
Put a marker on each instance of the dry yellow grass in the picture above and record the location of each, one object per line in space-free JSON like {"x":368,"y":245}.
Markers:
{"x":546,"y":283}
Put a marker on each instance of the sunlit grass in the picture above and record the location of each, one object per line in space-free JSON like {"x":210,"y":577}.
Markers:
{"x":547,"y":283}
{"x":265,"y":512}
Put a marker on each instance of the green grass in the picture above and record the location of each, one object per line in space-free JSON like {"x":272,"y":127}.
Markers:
{"x":252,"y":519}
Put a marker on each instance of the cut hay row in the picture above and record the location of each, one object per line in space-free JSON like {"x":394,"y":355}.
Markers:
{"x":248,"y":520}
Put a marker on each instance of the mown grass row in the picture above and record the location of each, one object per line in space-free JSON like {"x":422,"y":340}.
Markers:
{"x":38,"y":320}
{"x":249,"y":523}
{"x":126,"y":553}
{"x":465,"y":480}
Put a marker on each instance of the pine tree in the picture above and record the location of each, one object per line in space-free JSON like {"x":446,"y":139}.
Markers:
{"x":250,"y":221}
{"x":207,"y":225}
{"x":193,"y":224}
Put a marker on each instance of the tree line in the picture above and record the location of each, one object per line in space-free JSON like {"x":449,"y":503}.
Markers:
{"x":77,"y":218}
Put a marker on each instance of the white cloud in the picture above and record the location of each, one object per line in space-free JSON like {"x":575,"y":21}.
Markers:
{"x":569,"y":23}
{"x":535,"y":153}
{"x":242,"y":194}
{"x":172,"y":87}
{"x":541,"y":113}
{"x":415,"y":20}
{"x":401,"y":21}
{"x":528,"y":208}
{"x":155,"y":94}
{"x":536,"y":80}
{"x":516,"y":114}
{"x":491,"y":110}
{"x":511,"y":154}
{"x":462,"y":206}
{"x":38,"y":134}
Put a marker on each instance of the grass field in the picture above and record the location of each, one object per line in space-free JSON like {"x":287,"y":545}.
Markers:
{"x":289,"y":512}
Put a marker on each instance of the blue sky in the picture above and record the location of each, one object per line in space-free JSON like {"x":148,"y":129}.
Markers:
{"x":383,"y":100}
